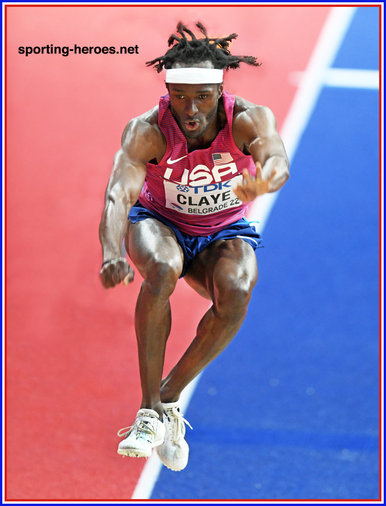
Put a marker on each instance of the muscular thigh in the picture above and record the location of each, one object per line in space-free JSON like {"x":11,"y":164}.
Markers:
{"x":221,"y":264}
{"x":150,"y":241}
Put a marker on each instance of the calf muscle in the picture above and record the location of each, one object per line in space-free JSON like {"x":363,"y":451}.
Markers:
{"x":154,"y":250}
{"x":228,"y":271}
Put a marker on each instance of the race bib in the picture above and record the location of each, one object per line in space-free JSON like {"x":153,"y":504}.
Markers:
{"x":206,"y":199}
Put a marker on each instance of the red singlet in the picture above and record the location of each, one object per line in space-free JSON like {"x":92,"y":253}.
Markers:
{"x":194,"y":190}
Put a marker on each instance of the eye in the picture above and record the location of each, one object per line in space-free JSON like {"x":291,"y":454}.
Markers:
{"x":180,"y":97}
{"x":203,"y":97}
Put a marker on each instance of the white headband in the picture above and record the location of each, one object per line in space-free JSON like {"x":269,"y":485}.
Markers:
{"x":193,"y":75}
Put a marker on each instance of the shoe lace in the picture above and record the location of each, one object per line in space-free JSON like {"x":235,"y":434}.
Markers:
{"x":141,"y":426}
{"x":178,"y":426}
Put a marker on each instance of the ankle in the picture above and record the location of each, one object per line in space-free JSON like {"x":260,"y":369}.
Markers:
{"x":157,"y":407}
{"x":168,"y":397}
{"x":167,"y":394}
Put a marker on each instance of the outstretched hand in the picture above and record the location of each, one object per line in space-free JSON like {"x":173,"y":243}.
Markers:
{"x":116,"y":271}
{"x":252,"y":187}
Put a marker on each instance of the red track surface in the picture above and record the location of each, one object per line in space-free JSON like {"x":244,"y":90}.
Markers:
{"x":71,"y":369}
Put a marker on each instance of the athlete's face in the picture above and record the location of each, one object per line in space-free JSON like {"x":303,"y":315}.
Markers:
{"x":194,"y":106}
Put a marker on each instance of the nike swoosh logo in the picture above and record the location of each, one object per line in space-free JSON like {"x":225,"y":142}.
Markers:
{"x":170,"y":162}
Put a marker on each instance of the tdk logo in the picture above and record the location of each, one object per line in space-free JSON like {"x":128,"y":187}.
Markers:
{"x":212,"y":187}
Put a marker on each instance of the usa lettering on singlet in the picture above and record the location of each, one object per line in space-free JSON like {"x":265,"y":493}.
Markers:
{"x":194,"y":190}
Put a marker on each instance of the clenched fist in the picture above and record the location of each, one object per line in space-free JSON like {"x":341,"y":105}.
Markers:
{"x":115,"y":271}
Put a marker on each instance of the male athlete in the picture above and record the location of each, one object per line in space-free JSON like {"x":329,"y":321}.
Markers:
{"x":178,"y":193}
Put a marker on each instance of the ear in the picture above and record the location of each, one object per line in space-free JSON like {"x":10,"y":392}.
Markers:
{"x":220,"y":90}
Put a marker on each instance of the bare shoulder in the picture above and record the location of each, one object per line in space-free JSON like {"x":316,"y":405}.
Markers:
{"x":143,"y":126}
{"x":251,"y":121}
{"x":143,"y":135}
{"x":250,"y":113}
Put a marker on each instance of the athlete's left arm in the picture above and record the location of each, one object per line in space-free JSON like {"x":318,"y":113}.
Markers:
{"x":256,"y":126}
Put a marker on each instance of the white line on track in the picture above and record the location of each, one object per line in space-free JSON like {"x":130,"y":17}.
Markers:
{"x":310,"y":85}
{"x":312,"y":80}
{"x":352,"y":78}
{"x":345,"y":78}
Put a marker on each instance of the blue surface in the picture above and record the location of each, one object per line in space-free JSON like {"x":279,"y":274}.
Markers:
{"x":290,"y":409}
{"x":360,"y":49}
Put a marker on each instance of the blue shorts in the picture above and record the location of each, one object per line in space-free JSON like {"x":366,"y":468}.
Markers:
{"x":192,"y":245}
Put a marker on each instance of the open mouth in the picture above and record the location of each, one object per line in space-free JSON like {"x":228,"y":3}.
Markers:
{"x":191,"y":125}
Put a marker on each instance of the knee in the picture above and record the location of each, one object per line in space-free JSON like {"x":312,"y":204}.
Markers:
{"x":162,"y":275}
{"x":233,"y":294}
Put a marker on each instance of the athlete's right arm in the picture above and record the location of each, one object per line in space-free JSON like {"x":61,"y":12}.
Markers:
{"x":140,"y":144}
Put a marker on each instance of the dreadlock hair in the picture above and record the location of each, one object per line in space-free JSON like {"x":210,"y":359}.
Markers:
{"x":195,"y":50}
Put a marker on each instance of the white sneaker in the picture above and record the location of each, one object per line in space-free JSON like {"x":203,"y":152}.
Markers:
{"x":174,"y":452}
{"x":146,"y":433}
